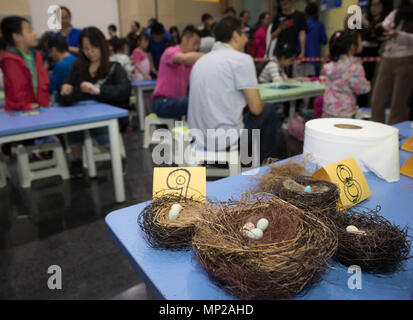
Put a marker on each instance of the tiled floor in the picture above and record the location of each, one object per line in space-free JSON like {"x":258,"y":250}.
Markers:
{"x":56,"y":223}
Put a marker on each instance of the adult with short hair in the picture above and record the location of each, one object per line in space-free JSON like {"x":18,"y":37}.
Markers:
{"x":159,"y":39}
{"x":289,"y":26}
{"x":68,"y":32}
{"x":133,"y":35}
{"x":207,"y":25}
{"x":112,"y":30}
{"x":230,"y":12}
{"x":170,"y":97}
{"x":223,"y":83}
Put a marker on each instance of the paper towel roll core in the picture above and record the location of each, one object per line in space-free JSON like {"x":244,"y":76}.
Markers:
{"x":374,"y":145}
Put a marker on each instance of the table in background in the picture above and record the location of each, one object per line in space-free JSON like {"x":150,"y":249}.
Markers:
{"x":304,"y":90}
{"x":60,"y":120}
{"x":141,"y":87}
{"x":177,"y":275}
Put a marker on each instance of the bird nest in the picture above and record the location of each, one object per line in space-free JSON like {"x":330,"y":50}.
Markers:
{"x":161,"y":232}
{"x":290,"y":168}
{"x":292,"y":254}
{"x":322,"y":200}
{"x":378,"y":247}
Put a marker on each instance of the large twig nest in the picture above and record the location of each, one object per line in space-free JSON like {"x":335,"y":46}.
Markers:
{"x":292,"y":254}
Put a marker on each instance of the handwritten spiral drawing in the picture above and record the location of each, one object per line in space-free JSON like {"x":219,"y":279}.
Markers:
{"x":352,"y":188}
{"x":179,"y":180}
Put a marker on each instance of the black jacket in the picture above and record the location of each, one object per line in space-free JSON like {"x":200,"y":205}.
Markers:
{"x":115,"y":90}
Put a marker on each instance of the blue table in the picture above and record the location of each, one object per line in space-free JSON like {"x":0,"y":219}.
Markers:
{"x":141,"y":86}
{"x":15,"y":126}
{"x":174,"y":275}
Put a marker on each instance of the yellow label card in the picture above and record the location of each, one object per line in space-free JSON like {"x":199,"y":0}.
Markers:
{"x":407,"y":168}
{"x":408,"y":145}
{"x":347,"y":175}
{"x":184,"y":182}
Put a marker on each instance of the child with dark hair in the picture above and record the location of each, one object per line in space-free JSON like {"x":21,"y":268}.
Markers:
{"x":345,"y":77}
{"x":121,"y":55}
{"x":26,"y":82}
{"x":273,"y":71}
{"x":59,"y":53}
{"x":141,"y":60}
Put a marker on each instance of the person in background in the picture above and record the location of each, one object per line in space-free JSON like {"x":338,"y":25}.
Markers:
{"x":345,"y":77}
{"x":230,"y":78}
{"x":208,"y":22}
{"x":141,"y":60}
{"x":43,"y":48}
{"x":112,"y":30}
{"x":132,"y":36}
{"x":159,"y":37}
{"x":289,"y":26}
{"x":70,"y":34}
{"x":170,"y":98}
{"x":59,"y":53}
{"x":2,"y":48}
{"x":121,"y":56}
{"x":26,"y":83}
{"x":273,"y":71}
{"x":176,"y":38}
{"x":260,"y":34}
{"x":111,"y":46}
{"x":315,"y":37}
{"x":245,"y":19}
{"x":396,"y":68}
{"x":376,"y":11}
{"x":94,"y":77}
{"x":230,"y":12}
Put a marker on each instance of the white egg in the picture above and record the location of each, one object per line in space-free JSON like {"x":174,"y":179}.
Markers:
{"x":177,"y":207}
{"x":354,"y":230}
{"x":263,"y":224}
{"x":255,"y":234}
{"x":173,"y":214}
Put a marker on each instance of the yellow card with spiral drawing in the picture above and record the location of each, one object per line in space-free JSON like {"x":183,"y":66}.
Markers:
{"x":184,"y":182}
{"x":349,"y":178}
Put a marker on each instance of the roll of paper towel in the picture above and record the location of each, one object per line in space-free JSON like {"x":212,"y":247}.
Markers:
{"x":375,"y":146}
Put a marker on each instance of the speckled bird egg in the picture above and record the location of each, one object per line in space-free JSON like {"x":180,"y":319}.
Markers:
{"x":255,"y":234}
{"x":263,"y":224}
{"x":247,"y":228}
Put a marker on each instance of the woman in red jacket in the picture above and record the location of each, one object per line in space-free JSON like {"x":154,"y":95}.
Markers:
{"x":26,"y":82}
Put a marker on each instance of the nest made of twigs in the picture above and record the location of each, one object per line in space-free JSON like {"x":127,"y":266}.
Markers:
{"x":290,"y":168}
{"x":322,"y":200}
{"x":292,"y":255}
{"x":380,"y":249}
{"x":170,"y":234}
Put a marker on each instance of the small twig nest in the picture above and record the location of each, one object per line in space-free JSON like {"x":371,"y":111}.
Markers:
{"x":290,"y":168}
{"x":378,"y":247}
{"x":161,"y":232}
{"x":322,"y":200}
{"x":292,"y":254}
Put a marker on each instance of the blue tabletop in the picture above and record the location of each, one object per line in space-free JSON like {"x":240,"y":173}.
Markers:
{"x":178,"y":276}
{"x":143,"y":83}
{"x":54,"y":117}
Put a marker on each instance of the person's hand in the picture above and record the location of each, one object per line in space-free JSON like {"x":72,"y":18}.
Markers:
{"x":147,"y":77}
{"x":389,"y":35}
{"x":66,"y":90}
{"x":283,"y":25}
{"x":89,"y":88}
{"x":34,"y":105}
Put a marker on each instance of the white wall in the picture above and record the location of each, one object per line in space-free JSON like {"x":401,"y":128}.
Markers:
{"x":85,"y":13}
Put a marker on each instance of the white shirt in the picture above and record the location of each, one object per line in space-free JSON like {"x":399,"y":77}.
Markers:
{"x":400,"y":46}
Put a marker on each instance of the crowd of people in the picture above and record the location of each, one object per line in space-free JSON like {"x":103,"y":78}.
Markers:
{"x":207,"y":73}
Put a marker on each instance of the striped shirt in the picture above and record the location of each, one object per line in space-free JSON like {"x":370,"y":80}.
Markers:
{"x":272,"y":73}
